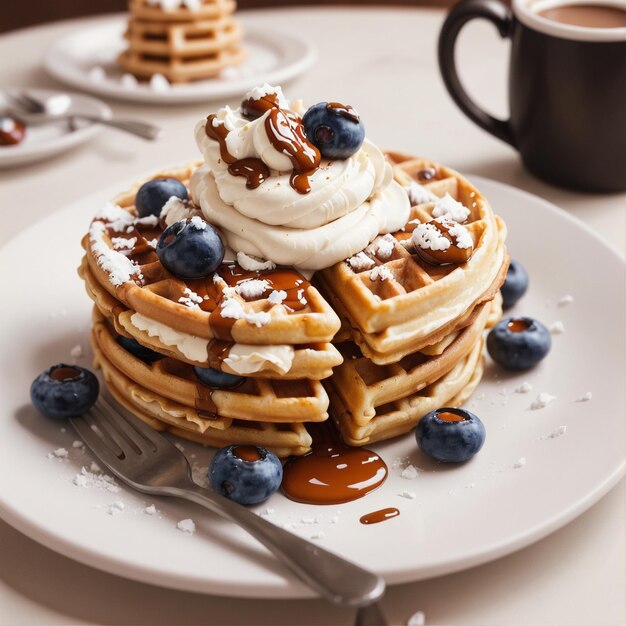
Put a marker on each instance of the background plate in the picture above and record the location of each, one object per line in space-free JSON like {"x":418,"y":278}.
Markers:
{"x":47,"y":140}
{"x":272,"y":57}
{"x":461,"y":515}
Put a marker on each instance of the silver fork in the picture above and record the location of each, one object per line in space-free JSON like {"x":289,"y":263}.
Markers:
{"x":33,"y":111}
{"x":150,"y":463}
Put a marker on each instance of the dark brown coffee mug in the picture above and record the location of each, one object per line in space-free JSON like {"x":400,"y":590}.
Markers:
{"x":567,"y":93}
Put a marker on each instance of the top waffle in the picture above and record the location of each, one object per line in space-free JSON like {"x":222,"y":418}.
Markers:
{"x":406,"y":298}
{"x":121,"y":256}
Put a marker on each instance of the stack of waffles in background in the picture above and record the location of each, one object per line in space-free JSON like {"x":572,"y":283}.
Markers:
{"x":412,"y":331}
{"x":182,"y":40}
{"x":181,"y":321}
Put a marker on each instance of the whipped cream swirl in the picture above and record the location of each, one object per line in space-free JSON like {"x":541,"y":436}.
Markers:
{"x":351,"y":201}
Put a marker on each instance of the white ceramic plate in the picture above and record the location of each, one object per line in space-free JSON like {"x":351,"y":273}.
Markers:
{"x":461,"y":516}
{"x":272,"y":57}
{"x":42,"y":142}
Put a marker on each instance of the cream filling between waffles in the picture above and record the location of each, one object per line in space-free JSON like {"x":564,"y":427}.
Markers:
{"x":242,"y":358}
{"x":351,"y":201}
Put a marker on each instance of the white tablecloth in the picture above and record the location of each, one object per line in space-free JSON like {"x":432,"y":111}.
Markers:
{"x":383,"y":61}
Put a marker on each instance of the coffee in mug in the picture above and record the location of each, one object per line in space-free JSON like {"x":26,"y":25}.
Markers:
{"x":567,"y":86}
{"x":585,"y":15}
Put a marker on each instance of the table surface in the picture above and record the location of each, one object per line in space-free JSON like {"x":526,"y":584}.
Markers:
{"x":388,"y":70}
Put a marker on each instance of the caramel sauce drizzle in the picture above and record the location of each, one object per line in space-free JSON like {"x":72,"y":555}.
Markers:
{"x":518,"y":325}
{"x":252,"y":108}
{"x":64,"y":373}
{"x":288,"y":137}
{"x":382,"y":515}
{"x":453,"y":254}
{"x":426,"y":174}
{"x":247,"y":453}
{"x":332,"y":473}
{"x":285,"y":132}
{"x":254,"y":171}
{"x":345,"y":110}
{"x":15,"y":135}
{"x":449,"y":416}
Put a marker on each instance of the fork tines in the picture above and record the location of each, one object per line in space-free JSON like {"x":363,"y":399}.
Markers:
{"x":113,"y":433}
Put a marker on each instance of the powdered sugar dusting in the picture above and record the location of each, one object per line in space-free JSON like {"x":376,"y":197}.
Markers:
{"x":558,"y":328}
{"x":233,"y":309}
{"x":429,"y":237}
{"x":187,"y":526}
{"x":381,"y":273}
{"x":382,"y":247}
{"x":253,"y":289}
{"x":119,"y":268}
{"x":360,"y":262}
{"x":59,"y":453}
{"x":252,"y":264}
{"x":418,"y":194}
{"x":190,"y":299}
{"x":94,"y":478}
{"x":198,"y":222}
{"x":451,"y":208}
{"x":277,"y":297}
{"x":409,"y":472}
{"x":556,"y":433}
{"x":542,"y":401}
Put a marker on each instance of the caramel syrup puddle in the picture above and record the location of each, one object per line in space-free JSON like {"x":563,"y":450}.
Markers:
{"x":332,"y":473}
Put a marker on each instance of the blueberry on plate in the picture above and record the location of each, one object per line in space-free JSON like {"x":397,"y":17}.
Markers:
{"x":518,"y":343}
{"x":190,"y":248}
{"x":214,"y":378}
{"x":155,"y":193}
{"x":64,"y":391}
{"x":450,"y":435}
{"x":136,"y":349}
{"x":335,"y":129}
{"x":515,"y":284}
{"x":245,"y":474}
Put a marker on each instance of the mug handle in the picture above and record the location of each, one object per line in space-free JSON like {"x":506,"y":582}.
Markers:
{"x":500,"y":15}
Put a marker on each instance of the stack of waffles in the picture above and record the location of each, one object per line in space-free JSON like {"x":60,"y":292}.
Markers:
{"x":412,"y":330}
{"x":183,"y":41}
{"x":184,"y":323}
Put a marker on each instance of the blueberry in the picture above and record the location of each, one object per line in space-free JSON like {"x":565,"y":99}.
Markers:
{"x":245,"y":474}
{"x":64,"y":391}
{"x":190,"y":248}
{"x":335,"y":129}
{"x":155,"y":193}
{"x":450,"y":435}
{"x":515,"y":284}
{"x":518,"y":343}
{"x":136,"y":349}
{"x":214,"y":378}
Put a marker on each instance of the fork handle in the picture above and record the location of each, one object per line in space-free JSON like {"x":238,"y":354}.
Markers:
{"x":141,"y":129}
{"x":338,"y":580}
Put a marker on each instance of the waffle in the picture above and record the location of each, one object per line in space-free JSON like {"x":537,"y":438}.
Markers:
{"x":312,"y":361}
{"x":181,"y":44}
{"x":400,"y":416}
{"x":284,"y":439}
{"x":419,"y":303}
{"x":268,"y":413}
{"x":155,"y":293}
{"x":400,"y":341}
{"x":364,"y":386}
{"x":401,"y":347}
